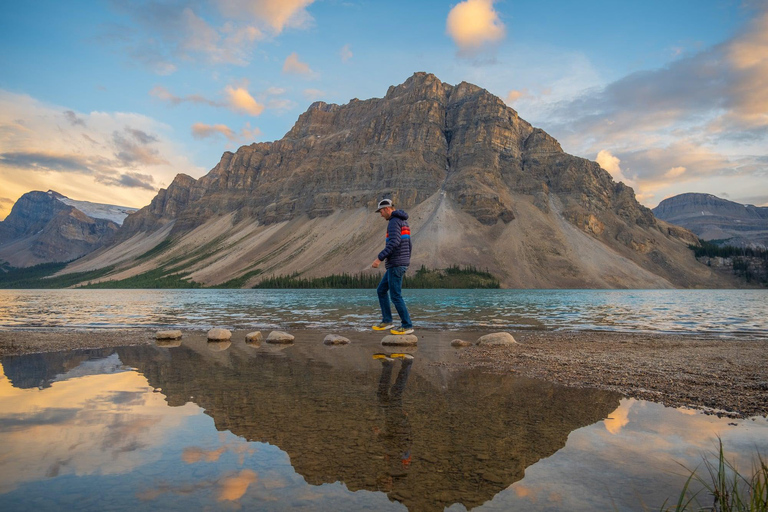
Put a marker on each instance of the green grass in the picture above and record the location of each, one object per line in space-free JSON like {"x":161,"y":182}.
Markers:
{"x":726,"y":488}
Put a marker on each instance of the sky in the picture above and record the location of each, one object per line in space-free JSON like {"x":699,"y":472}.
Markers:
{"x":107,"y":100}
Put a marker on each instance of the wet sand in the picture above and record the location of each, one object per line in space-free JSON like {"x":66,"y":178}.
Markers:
{"x":726,"y":377}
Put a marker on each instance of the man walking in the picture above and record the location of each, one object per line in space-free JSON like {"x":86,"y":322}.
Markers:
{"x":397,"y":254}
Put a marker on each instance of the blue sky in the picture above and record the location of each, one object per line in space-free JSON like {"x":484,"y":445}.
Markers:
{"x":107,"y":100}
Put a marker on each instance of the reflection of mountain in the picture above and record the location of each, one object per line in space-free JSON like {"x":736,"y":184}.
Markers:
{"x":470,"y":434}
{"x":40,"y":370}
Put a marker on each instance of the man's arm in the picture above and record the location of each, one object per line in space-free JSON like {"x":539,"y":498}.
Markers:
{"x":393,"y":239}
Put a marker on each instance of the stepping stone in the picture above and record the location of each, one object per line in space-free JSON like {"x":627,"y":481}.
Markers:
{"x":335,"y":339}
{"x":219,"y":335}
{"x":496,"y":339}
{"x":280,"y":337}
{"x":400,"y":340}
{"x":460,"y":343}
{"x":254,"y":337}
{"x":168,"y":335}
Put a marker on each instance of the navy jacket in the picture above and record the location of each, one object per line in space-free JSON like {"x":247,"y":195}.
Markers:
{"x":397,"y":252}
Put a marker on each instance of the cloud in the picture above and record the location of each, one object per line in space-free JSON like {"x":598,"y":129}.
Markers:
{"x":274,"y":14}
{"x":204,"y":131}
{"x":313,"y":94}
{"x":73,"y":119}
{"x":164,"y":94}
{"x":241,"y":101}
{"x":346,"y":53}
{"x":473,"y":25}
{"x":118,"y":158}
{"x":513,"y":96}
{"x":293,"y":66}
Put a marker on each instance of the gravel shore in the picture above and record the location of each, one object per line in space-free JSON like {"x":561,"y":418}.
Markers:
{"x":724,"y":377}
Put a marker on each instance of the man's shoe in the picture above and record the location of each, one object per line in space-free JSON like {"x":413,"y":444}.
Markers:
{"x":404,"y":357}
{"x":402,"y":330}
{"x":383,"y":326}
{"x":384,"y":358}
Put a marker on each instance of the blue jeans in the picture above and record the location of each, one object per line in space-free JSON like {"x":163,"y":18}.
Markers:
{"x":392,"y":283}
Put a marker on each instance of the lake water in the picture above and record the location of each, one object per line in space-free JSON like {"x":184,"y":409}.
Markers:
{"x":725,"y":313}
{"x":204,"y":426}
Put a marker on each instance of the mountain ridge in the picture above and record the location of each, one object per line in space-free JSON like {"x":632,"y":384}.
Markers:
{"x":483,"y":187}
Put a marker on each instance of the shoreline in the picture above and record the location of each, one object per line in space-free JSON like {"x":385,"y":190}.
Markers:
{"x":724,"y":377}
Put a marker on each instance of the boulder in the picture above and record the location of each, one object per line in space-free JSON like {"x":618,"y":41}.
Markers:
{"x":335,"y":339}
{"x":219,"y":335}
{"x":254,"y":337}
{"x":279,"y":337}
{"x":460,"y":343}
{"x":168,"y":335}
{"x":400,"y":340}
{"x":496,"y":339}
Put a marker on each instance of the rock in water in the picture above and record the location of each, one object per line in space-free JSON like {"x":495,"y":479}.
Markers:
{"x":168,"y":335}
{"x":254,"y":337}
{"x":219,"y":335}
{"x":460,"y":343}
{"x":497,"y":339}
{"x":400,"y":340}
{"x":280,"y":337}
{"x":335,"y":339}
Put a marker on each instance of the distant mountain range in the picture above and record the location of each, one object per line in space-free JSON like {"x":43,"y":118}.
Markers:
{"x":46,"y":227}
{"x":714,"y":219}
{"x":483,"y":188}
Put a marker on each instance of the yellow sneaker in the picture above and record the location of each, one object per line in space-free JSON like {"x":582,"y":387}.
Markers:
{"x":401,"y":330}
{"x":382,"y":326}
{"x":404,"y":357}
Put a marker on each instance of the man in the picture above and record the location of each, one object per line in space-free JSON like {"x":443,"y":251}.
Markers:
{"x":397,"y":254}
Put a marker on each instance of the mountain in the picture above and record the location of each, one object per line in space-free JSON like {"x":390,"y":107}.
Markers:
{"x":713,"y":218}
{"x":482,"y":186}
{"x":46,"y":227}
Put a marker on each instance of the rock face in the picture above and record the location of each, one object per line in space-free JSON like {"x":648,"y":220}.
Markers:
{"x":482,"y":186}
{"x":713,"y":218}
{"x":46,"y":227}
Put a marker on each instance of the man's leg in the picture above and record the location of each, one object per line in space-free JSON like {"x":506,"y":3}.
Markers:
{"x":382,"y":290}
{"x":395,"y":291}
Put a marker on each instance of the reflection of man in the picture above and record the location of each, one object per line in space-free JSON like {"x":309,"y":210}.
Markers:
{"x":397,"y":429}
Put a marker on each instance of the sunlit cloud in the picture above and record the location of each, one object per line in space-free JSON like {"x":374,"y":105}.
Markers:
{"x":473,"y":25}
{"x":293,"y":66}
{"x":205,"y":131}
{"x":346,"y":53}
{"x":117,"y":158}
{"x":241,"y":101}
{"x":275,"y":14}
{"x":513,"y":96}
{"x":164,"y":94}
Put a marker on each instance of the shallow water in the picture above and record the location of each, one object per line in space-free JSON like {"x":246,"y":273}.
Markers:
{"x":723,"y":313}
{"x":230,"y":426}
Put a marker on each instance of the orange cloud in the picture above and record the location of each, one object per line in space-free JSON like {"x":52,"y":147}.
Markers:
{"x":240,"y":100}
{"x":233,"y":488}
{"x":619,"y":418}
{"x":473,"y":24}
{"x":195,"y":454}
{"x":275,"y":14}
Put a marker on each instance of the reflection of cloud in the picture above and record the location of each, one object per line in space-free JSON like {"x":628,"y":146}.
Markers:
{"x":620,"y":417}
{"x":234,"y":487}
{"x":195,"y":454}
{"x":111,"y":424}
{"x":473,"y":24}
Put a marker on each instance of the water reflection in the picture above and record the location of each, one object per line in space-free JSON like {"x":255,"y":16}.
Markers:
{"x":322,"y":428}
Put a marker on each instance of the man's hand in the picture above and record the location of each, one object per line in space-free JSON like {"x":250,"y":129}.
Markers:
{"x":376,"y":263}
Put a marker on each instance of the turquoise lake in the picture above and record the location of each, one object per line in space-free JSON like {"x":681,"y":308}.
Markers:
{"x":725,"y":313}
